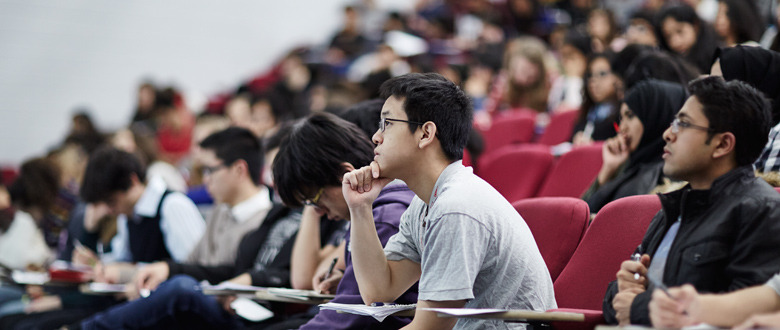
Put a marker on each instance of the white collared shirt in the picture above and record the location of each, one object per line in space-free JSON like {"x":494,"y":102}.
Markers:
{"x":181,"y":224}
{"x":261,"y":201}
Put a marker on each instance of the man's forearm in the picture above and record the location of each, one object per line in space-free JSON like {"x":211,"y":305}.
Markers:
{"x":305,"y":254}
{"x":728,"y":310}
{"x":368,"y":258}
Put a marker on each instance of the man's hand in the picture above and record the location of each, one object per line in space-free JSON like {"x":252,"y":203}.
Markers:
{"x":622,"y":304}
{"x":361,"y":187}
{"x":763,"y":321}
{"x":614,"y":153}
{"x":681,"y":310}
{"x":151,"y":275}
{"x":327,"y":285}
{"x":625,"y":276}
{"x":44,"y":304}
{"x":225,"y":302}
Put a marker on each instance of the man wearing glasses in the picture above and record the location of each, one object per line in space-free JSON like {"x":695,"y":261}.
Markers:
{"x":460,"y":238}
{"x":718,"y":233}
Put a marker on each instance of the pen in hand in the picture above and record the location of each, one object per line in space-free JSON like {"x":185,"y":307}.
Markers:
{"x":637,"y":257}
{"x":330,"y":269}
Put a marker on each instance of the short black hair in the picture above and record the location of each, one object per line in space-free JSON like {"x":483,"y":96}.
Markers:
{"x":738,"y":108}
{"x":109,"y":171}
{"x":310,"y":157}
{"x":431,"y":97}
{"x":236,"y":143}
{"x":661,"y":66}
{"x":37,"y":185}
{"x":366,"y":115}
{"x":275,"y":141}
{"x":706,"y":43}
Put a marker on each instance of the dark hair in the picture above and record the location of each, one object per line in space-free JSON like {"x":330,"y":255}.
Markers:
{"x":431,"y":97}
{"x":702,"y":50}
{"x":37,"y":185}
{"x":587,"y":101}
{"x":109,"y":171}
{"x":738,"y":108}
{"x":236,"y":143}
{"x":365,"y":115}
{"x":275,"y":141}
{"x":745,"y":22}
{"x":580,"y":41}
{"x":623,"y":59}
{"x":310,"y":157}
{"x":661,"y":66}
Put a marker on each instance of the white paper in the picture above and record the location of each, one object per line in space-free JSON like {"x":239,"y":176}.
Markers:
{"x":378,"y":312}
{"x":285,"y":292}
{"x":230,"y":286}
{"x":251,"y":310}
{"x":33,"y":278}
{"x":106,"y":288}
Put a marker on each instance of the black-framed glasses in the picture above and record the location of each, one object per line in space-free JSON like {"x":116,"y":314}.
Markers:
{"x":315,"y":200}
{"x":209,"y":170}
{"x":383,"y":123}
{"x":677,"y":124}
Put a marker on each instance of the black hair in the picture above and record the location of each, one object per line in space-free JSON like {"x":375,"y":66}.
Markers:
{"x":580,"y":41}
{"x":310,"y":157}
{"x":745,"y":22}
{"x":365,"y":115}
{"x":109,"y":171}
{"x":236,"y":143}
{"x":37,"y":185}
{"x":587,"y":100}
{"x":700,"y":54}
{"x":738,"y":108}
{"x":659,"y":65}
{"x":275,"y":141}
{"x":623,"y":59}
{"x":431,"y":97}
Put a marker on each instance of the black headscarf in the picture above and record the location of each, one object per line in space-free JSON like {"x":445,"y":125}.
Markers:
{"x":756,"y":66}
{"x":656,"y":103}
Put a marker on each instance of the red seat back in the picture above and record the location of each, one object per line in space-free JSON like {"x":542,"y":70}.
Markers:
{"x":558,"y":224}
{"x":609,"y":240}
{"x":516,"y":172}
{"x":560,"y":128}
{"x":573,"y":173}
{"x":511,"y":128}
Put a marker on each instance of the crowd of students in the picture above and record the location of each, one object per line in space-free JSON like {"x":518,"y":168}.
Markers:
{"x":350,"y":154}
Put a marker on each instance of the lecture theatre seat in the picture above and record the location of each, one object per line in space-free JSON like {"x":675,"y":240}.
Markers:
{"x":573,"y":173}
{"x":558,"y":224}
{"x":512,"y":127}
{"x":559,"y":129}
{"x":610,"y":239}
{"x":517,"y":171}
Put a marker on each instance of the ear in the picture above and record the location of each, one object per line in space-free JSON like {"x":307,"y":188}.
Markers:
{"x":428,"y":134}
{"x":724,"y":145}
{"x":347,"y":167}
{"x":134,"y":180}
{"x":241,"y":166}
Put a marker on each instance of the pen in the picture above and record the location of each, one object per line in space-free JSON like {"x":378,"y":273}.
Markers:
{"x":330,"y":270}
{"x":637,"y":257}
{"x":616,"y":126}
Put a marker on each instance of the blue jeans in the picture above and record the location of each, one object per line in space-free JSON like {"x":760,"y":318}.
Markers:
{"x":177,"y":303}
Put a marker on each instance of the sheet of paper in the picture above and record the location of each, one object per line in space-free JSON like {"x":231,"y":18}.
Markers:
{"x":106,"y":287}
{"x":34,"y":278}
{"x":229,"y":286}
{"x":299,"y":293}
{"x":251,"y":310}
{"x":465,"y":311}
{"x":378,"y":312}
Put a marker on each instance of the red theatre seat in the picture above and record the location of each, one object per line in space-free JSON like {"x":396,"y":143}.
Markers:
{"x":573,"y":173}
{"x":558,"y":224}
{"x":511,"y":128}
{"x":516,"y":172}
{"x":560,"y":128}
{"x":609,"y":240}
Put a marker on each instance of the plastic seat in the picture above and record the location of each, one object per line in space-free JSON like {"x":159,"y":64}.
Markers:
{"x":514,"y":127}
{"x":558,"y":224}
{"x":560,"y":128}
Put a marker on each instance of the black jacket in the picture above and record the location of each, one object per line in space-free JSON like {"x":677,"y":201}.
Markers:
{"x":729,"y":239}
{"x":638,"y":180}
{"x":276,"y":274}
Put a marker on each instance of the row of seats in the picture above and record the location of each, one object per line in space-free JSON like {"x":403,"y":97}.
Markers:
{"x":518,"y":126}
{"x":583,"y":256}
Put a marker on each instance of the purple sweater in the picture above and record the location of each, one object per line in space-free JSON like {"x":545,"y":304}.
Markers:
{"x":388,"y":207}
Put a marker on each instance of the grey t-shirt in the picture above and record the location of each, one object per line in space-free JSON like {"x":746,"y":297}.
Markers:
{"x":473,"y":245}
{"x":774,"y":283}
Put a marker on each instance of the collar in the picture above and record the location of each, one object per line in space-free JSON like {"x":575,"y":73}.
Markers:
{"x":150,"y":199}
{"x":445,"y":175}
{"x":261,"y":201}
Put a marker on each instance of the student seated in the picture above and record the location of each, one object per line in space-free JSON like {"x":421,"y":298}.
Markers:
{"x":718,"y":233}
{"x":632,"y":159}
{"x":334,"y":145}
{"x":232,"y":164}
{"x":460,"y":238}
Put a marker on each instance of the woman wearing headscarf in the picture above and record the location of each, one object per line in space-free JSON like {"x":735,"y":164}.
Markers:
{"x":759,"y":68}
{"x":632,"y":163}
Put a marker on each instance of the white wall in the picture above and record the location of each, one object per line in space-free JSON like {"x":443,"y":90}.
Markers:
{"x":57,"y":55}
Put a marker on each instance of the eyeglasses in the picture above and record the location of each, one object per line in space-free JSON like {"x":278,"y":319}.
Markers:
{"x":383,"y":123}
{"x":209,"y":170}
{"x":677,"y":124}
{"x":315,"y":200}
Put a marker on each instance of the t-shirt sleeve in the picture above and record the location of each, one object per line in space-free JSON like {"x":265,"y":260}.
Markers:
{"x":454,"y":249}
{"x":774,"y":283}
{"x":402,"y":245}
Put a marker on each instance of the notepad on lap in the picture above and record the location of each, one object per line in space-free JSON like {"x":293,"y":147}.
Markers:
{"x":378,"y":312}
